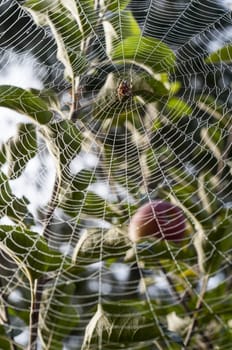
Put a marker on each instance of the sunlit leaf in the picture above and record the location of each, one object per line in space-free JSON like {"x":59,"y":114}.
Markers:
{"x":222,"y":55}
{"x":177,"y":108}
{"x":42,"y":5}
{"x":145,"y":51}
{"x":116,"y":5}
{"x":129,"y":27}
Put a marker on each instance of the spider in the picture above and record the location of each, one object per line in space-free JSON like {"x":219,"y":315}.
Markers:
{"x":124,"y":90}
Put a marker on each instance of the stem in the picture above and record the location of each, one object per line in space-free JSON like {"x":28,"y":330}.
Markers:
{"x":51,"y":209}
{"x":225,"y":155}
{"x":7,"y":318}
{"x":196,"y":313}
{"x":76,"y":107}
{"x":34,"y":315}
{"x":39,"y":283}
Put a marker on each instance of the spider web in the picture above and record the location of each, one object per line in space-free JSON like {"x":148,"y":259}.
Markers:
{"x":93,"y":152}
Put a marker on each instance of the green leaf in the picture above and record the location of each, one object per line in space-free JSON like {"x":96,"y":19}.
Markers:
{"x":131,"y":326}
{"x":116,"y":5}
{"x":87,"y":16}
{"x":145,"y":51}
{"x":149,"y":88}
{"x":2,"y":154}
{"x":61,"y":315}
{"x":68,"y":38}
{"x":25,"y":102}
{"x":82,"y":180}
{"x":49,"y":96}
{"x":30,"y":249}
{"x":151,"y":252}
{"x":98,"y":207}
{"x":10,"y":205}
{"x":128,"y":26}
{"x":218,"y":245}
{"x":88,"y":203}
{"x":42,"y":5}
{"x":64,"y":140}
{"x":177,"y":108}
{"x":21,"y":148}
{"x":65,"y":23}
{"x":223,"y":55}
{"x":8,"y":344}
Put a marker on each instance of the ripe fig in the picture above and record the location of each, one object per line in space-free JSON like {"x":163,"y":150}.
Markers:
{"x":158,"y":219}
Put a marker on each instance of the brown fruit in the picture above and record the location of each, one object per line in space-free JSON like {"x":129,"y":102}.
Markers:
{"x":158,"y":219}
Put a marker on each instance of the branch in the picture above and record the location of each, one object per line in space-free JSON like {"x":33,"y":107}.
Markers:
{"x":7,"y":318}
{"x":39,"y":283}
{"x":34,"y":314}
{"x":196,"y":313}
{"x":51,"y":209}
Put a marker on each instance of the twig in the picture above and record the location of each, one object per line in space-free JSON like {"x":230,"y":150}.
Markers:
{"x":196,"y":313}
{"x":225,"y":155}
{"x":7,"y":318}
{"x":52,"y":207}
{"x":34,"y":314}
{"x":39,"y":283}
{"x":76,"y":107}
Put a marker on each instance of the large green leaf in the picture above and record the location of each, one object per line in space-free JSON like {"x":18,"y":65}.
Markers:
{"x":64,"y":20}
{"x":68,"y":38}
{"x":30,"y":249}
{"x":80,"y":203}
{"x":64,"y":140}
{"x":128,"y":25}
{"x":86,"y":15}
{"x":131,"y":326}
{"x":61,"y":315}
{"x":2,"y":154}
{"x":21,"y":148}
{"x":149,"y":88}
{"x":145,"y":51}
{"x":25,"y":102}
{"x":42,"y":5}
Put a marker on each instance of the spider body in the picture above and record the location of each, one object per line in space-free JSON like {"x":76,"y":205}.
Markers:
{"x":124,"y":90}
